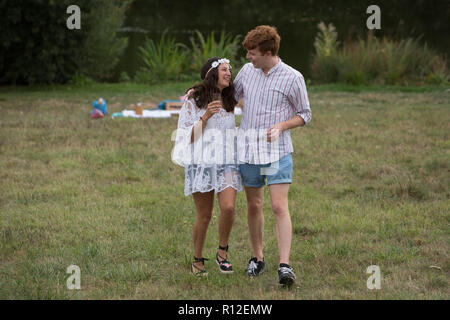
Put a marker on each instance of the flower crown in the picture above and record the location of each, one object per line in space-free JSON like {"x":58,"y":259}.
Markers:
{"x":215,"y":64}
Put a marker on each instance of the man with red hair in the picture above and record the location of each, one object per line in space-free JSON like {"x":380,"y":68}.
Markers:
{"x":275,"y":101}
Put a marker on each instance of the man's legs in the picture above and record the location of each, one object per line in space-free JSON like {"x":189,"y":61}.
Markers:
{"x":283,"y":225}
{"x":255,"y":219}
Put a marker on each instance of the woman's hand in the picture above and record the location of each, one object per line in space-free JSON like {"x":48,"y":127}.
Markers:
{"x":274,"y":132}
{"x":212,"y":108}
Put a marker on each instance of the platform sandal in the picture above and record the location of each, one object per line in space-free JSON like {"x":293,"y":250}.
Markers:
{"x":196,"y":271}
{"x":224,"y":265}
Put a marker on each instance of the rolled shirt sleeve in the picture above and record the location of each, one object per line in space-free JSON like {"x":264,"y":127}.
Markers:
{"x":298,"y":97}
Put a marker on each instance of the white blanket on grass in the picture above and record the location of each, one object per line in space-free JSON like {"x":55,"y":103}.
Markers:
{"x":150,"y":113}
{"x":162,"y":113}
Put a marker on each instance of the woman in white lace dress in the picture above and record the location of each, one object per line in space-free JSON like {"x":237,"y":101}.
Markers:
{"x":206,"y":125}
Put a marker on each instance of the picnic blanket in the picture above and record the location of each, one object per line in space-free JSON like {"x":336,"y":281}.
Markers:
{"x":146,"y":113}
{"x":157,"y":113}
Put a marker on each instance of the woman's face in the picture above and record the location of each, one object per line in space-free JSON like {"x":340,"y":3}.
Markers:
{"x":224,"y":75}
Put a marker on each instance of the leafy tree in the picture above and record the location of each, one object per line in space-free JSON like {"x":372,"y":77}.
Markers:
{"x":37,"y":46}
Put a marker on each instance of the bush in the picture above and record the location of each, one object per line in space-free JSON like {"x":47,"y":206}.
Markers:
{"x":168,"y":60}
{"x":375,"y":60}
{"x":325,"y":63}
{"x":163,"y":61}
{"x":79,"y":79}
{"x":203,"y":48}
{"x":37,"y":47}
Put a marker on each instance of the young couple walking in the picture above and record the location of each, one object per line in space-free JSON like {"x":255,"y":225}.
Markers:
{"x":275,"y":101}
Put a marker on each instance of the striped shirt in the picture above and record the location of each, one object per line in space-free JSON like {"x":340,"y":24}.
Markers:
{"x":269,"y":99}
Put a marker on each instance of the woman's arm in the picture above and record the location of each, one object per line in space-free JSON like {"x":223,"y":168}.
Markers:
{"x":212,"y":108}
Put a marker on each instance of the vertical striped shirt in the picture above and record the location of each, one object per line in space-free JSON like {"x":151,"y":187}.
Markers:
{"x":269,"y":99}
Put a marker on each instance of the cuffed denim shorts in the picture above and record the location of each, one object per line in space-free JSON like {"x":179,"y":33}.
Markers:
{"x":254,"y":175}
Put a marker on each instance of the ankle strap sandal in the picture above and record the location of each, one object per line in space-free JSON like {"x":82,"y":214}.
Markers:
{"x":196,"y":271}
{"x":224,"y":264}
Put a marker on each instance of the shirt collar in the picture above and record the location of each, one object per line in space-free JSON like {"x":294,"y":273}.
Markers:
{"x":274,"y":68}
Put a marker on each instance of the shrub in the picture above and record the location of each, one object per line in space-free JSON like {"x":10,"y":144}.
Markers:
{"x":325,"y":63}
{"x":124,"y":77}
{"x":374,"y":60}
{"x":203,"y":48}
{"x":163,"y":61}
{"x":168,"y":60}
{"x":79,"y":79}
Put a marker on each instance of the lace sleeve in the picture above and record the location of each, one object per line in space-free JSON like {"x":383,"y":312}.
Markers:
{"x":188,"y":115}
{"x":181,"y":154}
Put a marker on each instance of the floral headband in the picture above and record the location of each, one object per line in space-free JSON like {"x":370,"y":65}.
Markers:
{"x":215,"y":64}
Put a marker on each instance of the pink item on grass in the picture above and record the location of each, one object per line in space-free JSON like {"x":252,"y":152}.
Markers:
{"x":96,"y":113}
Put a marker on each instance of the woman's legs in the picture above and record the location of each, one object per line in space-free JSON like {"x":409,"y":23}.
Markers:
{"x":204,"y":205}
{"x":227,"y":200}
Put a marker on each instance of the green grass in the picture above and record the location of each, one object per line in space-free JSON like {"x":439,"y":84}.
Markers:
{"x":371,"y":187}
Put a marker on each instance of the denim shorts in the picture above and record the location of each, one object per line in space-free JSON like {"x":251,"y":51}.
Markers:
{"x":254,"y":175}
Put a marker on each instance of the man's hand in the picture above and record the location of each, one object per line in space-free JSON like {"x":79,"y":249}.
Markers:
{"x":274,"y":132}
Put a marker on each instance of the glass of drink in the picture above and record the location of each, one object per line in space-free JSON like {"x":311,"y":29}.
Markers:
{"x":217,"y":96}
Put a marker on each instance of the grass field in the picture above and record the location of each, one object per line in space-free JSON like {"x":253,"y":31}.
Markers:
{"x":371,"y":187}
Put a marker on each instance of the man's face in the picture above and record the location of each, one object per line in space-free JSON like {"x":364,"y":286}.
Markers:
{"x":257,"y":58}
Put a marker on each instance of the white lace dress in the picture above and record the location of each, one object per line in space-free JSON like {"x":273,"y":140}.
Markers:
{"x":210,"y":162}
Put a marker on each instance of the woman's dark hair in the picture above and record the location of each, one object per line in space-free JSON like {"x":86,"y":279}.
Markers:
{"x":204,"y":92}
